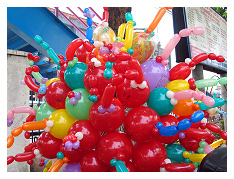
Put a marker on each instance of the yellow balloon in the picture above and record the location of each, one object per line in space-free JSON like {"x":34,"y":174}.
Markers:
{"x":178,"y":85}
{"x":196,"y":157}
{"x":217,"y":143}
{"x":121,"y":31}
{"x":62,"y":123}
{"x":51,"y":81}
{"x":128,"y":35}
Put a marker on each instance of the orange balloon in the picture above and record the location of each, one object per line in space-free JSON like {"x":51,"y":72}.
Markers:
{"x":157,"y":19}
{"x":65,"y":160}
{"x":10,"y":141}
{"x":35,"y":125}
{"x":184,"y":107}
{"x":16,"y":131}
{"x":196,"y":107}
{"x":56,"y":165}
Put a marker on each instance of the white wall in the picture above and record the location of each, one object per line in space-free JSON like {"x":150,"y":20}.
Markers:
{"x":17,"y":95}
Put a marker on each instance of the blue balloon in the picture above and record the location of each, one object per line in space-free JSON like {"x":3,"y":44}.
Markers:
{"x":86,"y":10}
{"x":119,"y":165}
{"x":197,"y":116}
{"x":89,"y":33}
{"x":89,"y":21}
{"x":159,"y":102}
{"x":74,"y":75}
{"x":184,"y":124}
{"x":168,"y":131}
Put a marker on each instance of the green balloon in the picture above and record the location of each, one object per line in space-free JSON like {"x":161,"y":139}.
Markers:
{"x":80,"y":110}
{"x":44,"y":111}
{"x":223,"y":80}
{"x":206,"y":83}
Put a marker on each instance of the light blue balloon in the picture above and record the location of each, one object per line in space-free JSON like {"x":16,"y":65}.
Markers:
{"x":74,"y":76}
{"x":159,"y":102}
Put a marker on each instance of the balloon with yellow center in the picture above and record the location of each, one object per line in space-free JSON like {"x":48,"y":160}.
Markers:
{"x":178,"y":85}
{"x":62,"y":122}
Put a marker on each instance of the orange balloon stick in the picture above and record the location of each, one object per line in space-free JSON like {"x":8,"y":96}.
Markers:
{"x":16,"y":131}
{"x":35,"y":125}
{"x":56,"y":165}
{"x":10,"y":141}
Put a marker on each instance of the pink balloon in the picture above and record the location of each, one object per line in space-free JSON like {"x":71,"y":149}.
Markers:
{"x":198,"y":30}
{"x":208,"y":101}
{"x":185,"y":94}
{"x":185,"y":32}
{"x":170,"y":46}
{"x":20,"y":109}
{"x":164,"y":62}
{"x":116,"y":46}
{"x":198,"y":95}
{"x":208,"y":149}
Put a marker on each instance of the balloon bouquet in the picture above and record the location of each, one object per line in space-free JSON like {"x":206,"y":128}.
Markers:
{"x":165,"y":129}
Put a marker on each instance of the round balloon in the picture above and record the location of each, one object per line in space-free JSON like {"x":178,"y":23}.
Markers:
{"x":159,"y":102}
{"x":132,"y":97}
{"x":155,"y":73}
{"x":107,"y":121}
{"x":91,"y":163}
{"x":90,"y":134}
{"x":148,"y":156}
{"x":190,"y":143}
{"x":104,"y":33}
{"x":56,"y":94}
{"x":184,"y":107}
{"x":72,"y":168}
{"x":74,"y":75}
{"x":44,"y":111}
{"x":62,"y":123}
{"x":80,"y":110}
{"x":140,"y":122}
{"x":143,"y":46}
{"x":175,"y":153}
{"x":114,"y":145}
{"x":48,"y":145}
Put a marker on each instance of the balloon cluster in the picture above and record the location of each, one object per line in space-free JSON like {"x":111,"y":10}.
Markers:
{"x":84,"y":117}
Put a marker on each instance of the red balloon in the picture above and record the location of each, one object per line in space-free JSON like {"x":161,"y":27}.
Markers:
{"x":74,"y":155}
{"x":114,"y":145}
{"x":199,"y":58}
{"x":139,"y":123}
{"x":30,"y":147}
{"x":29,"y":82}
{"x":101,"y":81}
{"x":147,"y":157}
{"x":168,"y":120}
{"x":62,"y":71}
{"x":223,"y":135}
{"x":48,"y":145}
{"x":24,"y":156}
{"x":91,"y":163}
{"x":179,"y":167}
{"x":132,"y":97}
{"x":190,"y":143}
{"x":107,"y":121}
{"x":71,"y":49}
{"x":198,"y":133}
{"x":213,"y":127}
{"x":90,"y":134}
{"x":81,"y":53}
{"x":121,"y":66}
{"x":180,"y":71}
{"x":56,"y":94}
{"x":10,"y":159}
{"x":129,"y":165}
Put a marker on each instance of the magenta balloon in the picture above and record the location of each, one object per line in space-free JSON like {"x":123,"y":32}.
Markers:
{"x":155,"y":73}
{"x":72,"y":168}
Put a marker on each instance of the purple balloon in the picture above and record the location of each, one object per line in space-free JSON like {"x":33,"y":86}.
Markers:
{"x":181,"y":135}
{"x":76,"y":145}
{"x":111,"y":108}
{"x":22,"y":82}
{"x":9,"y":122}
{"x":101,"y":109}
{"x":73,"y":100}
{"x":44,"y":80}
{"x":155,"y":73}
{"x":77,"y":95}
{"x":103,"y":50}
{"x":72,"y":168}
{"x":90,"y":14}
{"x":68,"y":145}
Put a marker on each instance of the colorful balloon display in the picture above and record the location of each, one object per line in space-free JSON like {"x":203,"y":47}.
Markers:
{"x":111,"y":109}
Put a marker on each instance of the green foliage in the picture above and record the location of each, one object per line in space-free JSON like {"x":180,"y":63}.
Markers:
{"x":222,"y":11}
